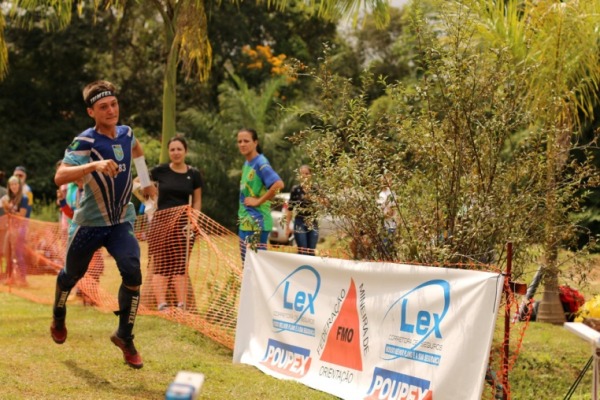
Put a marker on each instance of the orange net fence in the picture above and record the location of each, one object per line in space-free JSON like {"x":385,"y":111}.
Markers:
{"x":192,"y":271}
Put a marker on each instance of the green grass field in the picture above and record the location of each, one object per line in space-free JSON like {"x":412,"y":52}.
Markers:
{"x":88,"y":366}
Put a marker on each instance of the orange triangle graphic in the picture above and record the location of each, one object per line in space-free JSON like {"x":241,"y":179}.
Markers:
{"x":343,"y":342}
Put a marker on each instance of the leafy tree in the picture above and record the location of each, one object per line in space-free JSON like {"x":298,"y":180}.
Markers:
{"x":459,"y":150}
{"x":40,"y":99}
{"x":41,"y":96}
{"x":215,"y":150}
{"x":555,"y":44}
{"x":123,"y":48}
{"x":383,"y":50}
{"x":241,"y":106}
{"x":185,"y":38}
{"x":296,"y":33}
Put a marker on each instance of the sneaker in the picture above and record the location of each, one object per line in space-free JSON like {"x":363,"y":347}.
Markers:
{"x":130,"y":354}
{"x":58,"y":331}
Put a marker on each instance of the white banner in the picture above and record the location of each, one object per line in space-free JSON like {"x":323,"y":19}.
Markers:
{"x":366,"y":330}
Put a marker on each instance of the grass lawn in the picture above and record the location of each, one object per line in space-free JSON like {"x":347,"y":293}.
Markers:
{"x":550,"y":361}
{"x":89,"y":366}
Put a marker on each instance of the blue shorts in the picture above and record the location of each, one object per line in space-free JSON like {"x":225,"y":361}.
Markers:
{"x":119,"y":240}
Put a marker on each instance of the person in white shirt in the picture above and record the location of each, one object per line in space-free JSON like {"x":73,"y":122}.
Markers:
{"x":387,"y":203}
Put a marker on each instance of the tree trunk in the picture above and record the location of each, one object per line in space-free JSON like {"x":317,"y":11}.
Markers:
{"x":550,"y":308}
{"x":169,"y":98}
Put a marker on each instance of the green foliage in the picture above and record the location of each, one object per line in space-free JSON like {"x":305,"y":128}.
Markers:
{"x":151,"y":146}
{"x":459,"y":150}
{"x":554,"y":44}
{"x":41,"y":108}
{"x":45,"y":210}
{"x":385,"y":52}
{"x":215,"y":135}
{"x":217,"y":158}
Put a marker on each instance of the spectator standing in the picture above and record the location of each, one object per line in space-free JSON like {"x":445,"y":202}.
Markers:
{"x":68,"y":197}
{"x":306,"y":228}
{"x":179,"y":184}
{"x":388,"y":206}
{"x":258,"y":185}
{"x":3,"y":189}
{"x":21,"y":173}
{"x":3,"y":224}
{"x":16,"y":203}
{"x":102,"y":156}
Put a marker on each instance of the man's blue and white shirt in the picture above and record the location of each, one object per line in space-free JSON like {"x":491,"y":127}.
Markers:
{"x":105,"y":200}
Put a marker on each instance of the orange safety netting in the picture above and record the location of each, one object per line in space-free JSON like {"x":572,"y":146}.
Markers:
{"x":32,"y":252}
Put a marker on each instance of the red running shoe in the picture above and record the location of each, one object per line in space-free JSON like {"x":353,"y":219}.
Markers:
{"x":130,"y":354}
{"x":58,"y":331}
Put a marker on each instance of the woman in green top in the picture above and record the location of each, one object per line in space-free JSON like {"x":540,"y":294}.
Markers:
{"x":259,"y":184}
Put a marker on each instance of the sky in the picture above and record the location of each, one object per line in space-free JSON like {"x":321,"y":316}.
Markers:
{"x":398,"y":3}
{"x":394,"y":3}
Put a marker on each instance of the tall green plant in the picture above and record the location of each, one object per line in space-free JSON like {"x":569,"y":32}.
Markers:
{"x":462,"y":161}
{"x":556,"y":46}
{"x":185,"y":36}
{"x":215,"y":135}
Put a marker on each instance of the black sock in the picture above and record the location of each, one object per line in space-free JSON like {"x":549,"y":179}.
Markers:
{"x":59,"y":311}
{"x":128,"y":306}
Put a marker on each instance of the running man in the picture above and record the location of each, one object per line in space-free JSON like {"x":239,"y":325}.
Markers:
{"x":102,"y":157}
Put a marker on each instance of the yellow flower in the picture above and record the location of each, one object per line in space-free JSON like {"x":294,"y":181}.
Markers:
{"x":591,"y":309}
{"x":265,"y":51}
{"x":255,"y":65}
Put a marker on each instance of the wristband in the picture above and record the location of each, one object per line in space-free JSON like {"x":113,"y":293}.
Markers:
{"x":142,"y":171}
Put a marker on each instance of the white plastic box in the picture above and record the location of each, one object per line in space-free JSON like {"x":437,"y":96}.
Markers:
{"x":186,"y":386}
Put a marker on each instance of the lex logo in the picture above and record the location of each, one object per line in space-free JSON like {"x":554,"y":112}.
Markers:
{"x":397,"y":386}
{"x":287,"y":359}
{"x":299,"y":290}
{"x":422,"y":310}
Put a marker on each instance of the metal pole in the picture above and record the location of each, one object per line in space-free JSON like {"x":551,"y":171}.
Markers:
{"x":531,"y":289}
{"x":188,"y":232}
{"x":596,"y":377}
{"x":506,"y":323}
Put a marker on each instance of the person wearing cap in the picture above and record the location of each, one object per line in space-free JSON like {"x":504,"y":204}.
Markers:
{"x":102,"y":156}
{"x":21,"y":173}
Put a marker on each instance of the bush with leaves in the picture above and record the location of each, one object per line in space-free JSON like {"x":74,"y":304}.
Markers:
{"x":467,"y":169}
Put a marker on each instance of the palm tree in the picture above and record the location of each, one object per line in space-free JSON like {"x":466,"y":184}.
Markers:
{"x":3,"y":50}
{"x":557,"y":44}
{"x":185,"y":35}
